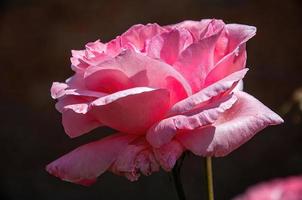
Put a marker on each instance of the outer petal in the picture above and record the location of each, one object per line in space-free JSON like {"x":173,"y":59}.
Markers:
{"x":144,"y":71}
{"x":74,"y":86}
{"x":73,"y":102}
{"x":125,"y":163}
{"x":168,"y":154}
{"x":77,"y":60}
{"x":76,"y":117}
{"x":239,"y":34}
{"x":84,"y":164}
{"x":218,"y":88}
{"x":147,"y":163}
{"x":236,"y":126}
{"x":163,"y":132}
{"x":76,"y":124}
{"x":137,"y":158}
{"x":133,"y":110}
{"x":58,"y":89}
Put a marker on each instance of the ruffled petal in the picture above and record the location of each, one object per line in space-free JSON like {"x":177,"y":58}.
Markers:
{"x":204,"y":95}
{"x":236,"y":35}
{"x":139,"y":35}
{"x":168,"y":45}
{"x":58,"y":90}
{"x":239,"y":34}
{"x":199,"y":57}
{"x":198,"y":29}
{"x":164,"y":131}
{"x":234,"y":127}
{"x":168,"y":154}
{"x":84,"y":164}
{"x":77,"y":60}
{"x":133,"y":110}
{"x":136,"y":159}
{"x":94,"y":53}
{"x":74,"y":86}
{"x":229,"y":64}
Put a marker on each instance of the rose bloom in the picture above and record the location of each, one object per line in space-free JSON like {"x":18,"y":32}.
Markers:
{"x":165,"y":90}
{"x":279,"y":189}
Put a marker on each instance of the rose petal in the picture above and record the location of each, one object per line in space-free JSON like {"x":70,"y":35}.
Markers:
{"x":95,"y":53}
{"x":144,"y":71}
{"x":289,"y":188}
{"x":198,"y":29}
{"x":237,"y":36}
{"x":133,"y":110}
{"x":138,"y":35}
{"x":73,"y":86}
{"x":169,"y":45}
{"x":77,"y":60}
{"x":231,"y":63}
{"x":76,"y":118}
{"x":136,"y":158}
{"x":235,"y":126}
{"x":84,"y":164}
{"x":164,"y":131}
{"x":199,"y":58}
{"x":108,"y":81}
{"x":58,"y":90}
{"x":125,"y":162}
{"x":214,"y":26}
{"x":76,"y":124}
{"x":147,"y":163}
{"x":168,"y":154}
{"x":207,"y":93}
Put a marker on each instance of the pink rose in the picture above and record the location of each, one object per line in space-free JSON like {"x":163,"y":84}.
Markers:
{"x":279,"y":189}
{"x":165,"y":90}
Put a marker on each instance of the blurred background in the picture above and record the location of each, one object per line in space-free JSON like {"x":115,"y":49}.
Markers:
{"x":35,"y":42}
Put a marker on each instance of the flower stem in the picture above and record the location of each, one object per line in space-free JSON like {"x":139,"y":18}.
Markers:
{"x":177,"y":179}
{"x":209,"y":176}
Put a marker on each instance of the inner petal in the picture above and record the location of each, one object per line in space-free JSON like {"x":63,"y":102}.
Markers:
{"x":108,"y":81}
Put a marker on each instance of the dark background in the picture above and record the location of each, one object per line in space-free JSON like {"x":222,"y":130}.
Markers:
{"x":36,"y":37}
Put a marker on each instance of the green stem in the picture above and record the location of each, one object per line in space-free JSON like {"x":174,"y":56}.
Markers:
{"x":177,"y":179}
{"x":209,"y":178}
